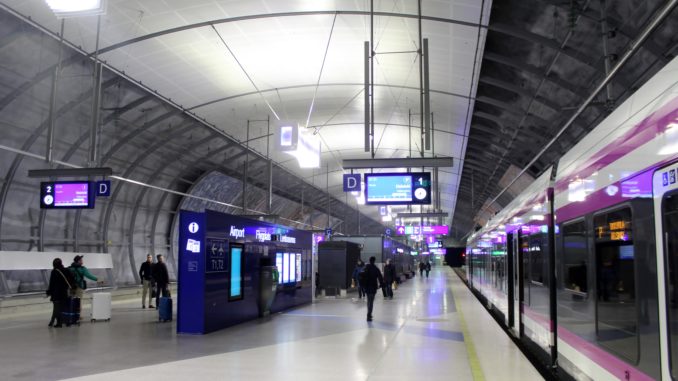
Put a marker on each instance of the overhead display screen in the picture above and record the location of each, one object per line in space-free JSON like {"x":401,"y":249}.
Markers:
{"x":398,"y":188}
{"x":66,"y":195}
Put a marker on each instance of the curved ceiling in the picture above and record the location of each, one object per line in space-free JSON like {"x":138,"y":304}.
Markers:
{"x":240,"y":63}
{"x":505,"y":76}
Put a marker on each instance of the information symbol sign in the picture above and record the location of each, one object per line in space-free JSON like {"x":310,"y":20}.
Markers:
{"x":193,"y":227}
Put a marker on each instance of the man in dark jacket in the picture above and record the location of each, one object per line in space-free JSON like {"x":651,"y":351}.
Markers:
{"x":389,"y":278}
{"x":146,"y":275}
{"x":422,"y":266}
{"x":161,"y":278}
{"x":374,"y":282}
{"x":428,"y":268}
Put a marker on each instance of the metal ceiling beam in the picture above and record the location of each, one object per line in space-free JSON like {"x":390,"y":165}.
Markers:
{"x":182,"y":28}
{"x":433,"y":162}
{"x":537,"y":72}
{"x":515,"y":110}
{"x":485,"y":79}
{"x":577,"y":55}
{"x":620,"y":25}
{"x":69,"y":172}
{"x":295,"y":87}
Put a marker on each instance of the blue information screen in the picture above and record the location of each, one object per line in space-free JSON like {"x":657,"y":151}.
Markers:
{"x":389,"y":188}
{"x":235,"y":291}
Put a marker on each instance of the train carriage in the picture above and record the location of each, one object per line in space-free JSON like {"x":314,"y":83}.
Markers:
{"x":587,"y":254}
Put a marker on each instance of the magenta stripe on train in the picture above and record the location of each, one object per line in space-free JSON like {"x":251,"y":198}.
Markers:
{"x":605,"y":360}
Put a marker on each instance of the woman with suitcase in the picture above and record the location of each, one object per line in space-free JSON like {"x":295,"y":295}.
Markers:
{"x":60,"y":283}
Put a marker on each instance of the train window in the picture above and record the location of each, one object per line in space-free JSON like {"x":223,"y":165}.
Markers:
{"x":670,"y":217}
{"x":616,"y":325}
{"x":575,"y":257}
{"x":537,"y":248}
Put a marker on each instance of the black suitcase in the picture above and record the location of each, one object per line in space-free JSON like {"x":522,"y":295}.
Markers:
{"x":71,"y":313}
{"x":165,"y":309}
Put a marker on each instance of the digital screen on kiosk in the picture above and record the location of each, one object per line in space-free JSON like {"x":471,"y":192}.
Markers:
{"x":286,"y":266}
{"x":235,"y":289}
{"x":279,"y":265}
{"x":398,"y":188}
{"x":66,"y":195}
{"x":289,"y":267}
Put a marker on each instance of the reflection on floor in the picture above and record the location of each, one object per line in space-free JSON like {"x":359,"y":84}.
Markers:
{"x":417,"y":335}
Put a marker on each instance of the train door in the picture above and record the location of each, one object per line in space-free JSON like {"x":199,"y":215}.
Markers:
{"x":665,"y":193}
{"x":517,"y":283}
{"x":510,"y":288}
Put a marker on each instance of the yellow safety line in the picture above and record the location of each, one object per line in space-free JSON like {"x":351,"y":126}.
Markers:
{"x":474,"y":363}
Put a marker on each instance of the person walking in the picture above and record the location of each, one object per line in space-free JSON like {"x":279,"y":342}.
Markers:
{"x":146,"y":275}
{"x":80,"y":272}
{"x":389,"y":278}
{"x":60,"y":283}
{"x":374,"y":282}
{"x":427,"y":268}
{"x":161,"y":278}
{"x":356,"y":278}
{"x":422,"y":266}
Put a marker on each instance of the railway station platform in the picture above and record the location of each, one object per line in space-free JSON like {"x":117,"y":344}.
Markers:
{"x":434,"y":329}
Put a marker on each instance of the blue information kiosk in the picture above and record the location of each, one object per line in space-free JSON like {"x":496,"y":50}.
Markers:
{"x":234,"y":269}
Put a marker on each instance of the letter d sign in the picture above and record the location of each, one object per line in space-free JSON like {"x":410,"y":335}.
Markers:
{"x":352,"y":183}
{"x":103,"y":188}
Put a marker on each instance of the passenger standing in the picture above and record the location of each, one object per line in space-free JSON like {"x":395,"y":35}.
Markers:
{"x":146,"y":275}
{"x":60,"y":283}
{"x":389,"y":278}
{"x":422,"y":266}
{"x":356,"y":277}
{"x":80,"y":272}
{"x":374,"y":282}
{"x":428,"y":268}
{"x":161,"y":278}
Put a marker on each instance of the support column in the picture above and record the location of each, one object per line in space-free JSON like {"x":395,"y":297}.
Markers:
{"x":96,"y":101}
{"x":52,"y":101}
{"x":606,"y":54}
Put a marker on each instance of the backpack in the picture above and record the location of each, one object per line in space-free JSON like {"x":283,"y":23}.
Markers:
{"x":362,"y":276}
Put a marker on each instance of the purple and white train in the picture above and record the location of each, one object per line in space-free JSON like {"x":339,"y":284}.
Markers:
{"x":582,"y":266}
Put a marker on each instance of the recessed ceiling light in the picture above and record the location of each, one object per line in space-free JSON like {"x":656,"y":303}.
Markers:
{"x":71,"y":8}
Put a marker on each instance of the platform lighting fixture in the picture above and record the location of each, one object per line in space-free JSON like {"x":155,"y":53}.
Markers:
{"x":303,"y":145}
{"x":74,"y":8}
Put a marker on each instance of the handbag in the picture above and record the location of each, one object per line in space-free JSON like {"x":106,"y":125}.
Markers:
{"x":352,"y":283}
{"x":395,"y":285}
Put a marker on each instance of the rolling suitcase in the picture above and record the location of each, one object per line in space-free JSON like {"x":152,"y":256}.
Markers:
{"x":101,"y":306}
{"x":165,"y":309}
{"x":71,"y":313}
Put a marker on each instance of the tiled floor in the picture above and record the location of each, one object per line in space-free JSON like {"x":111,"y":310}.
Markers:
{"x":419,"y":335}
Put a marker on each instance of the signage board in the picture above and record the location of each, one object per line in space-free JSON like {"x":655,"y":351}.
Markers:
{"x":352,"y":183}
{"x":67,"y":195}
{"x":103,"y":188}
{"x":398,"y":188}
